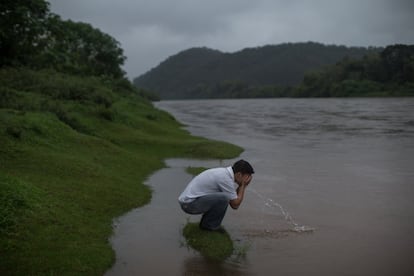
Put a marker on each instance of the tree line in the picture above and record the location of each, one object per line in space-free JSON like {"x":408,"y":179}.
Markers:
{"x":252,"y":72}
{"x":387,"y":73}
{"x":34,"y":37}
{"x":287,"y":70}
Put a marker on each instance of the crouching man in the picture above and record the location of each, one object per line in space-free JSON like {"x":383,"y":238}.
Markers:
{"x":210,"y":192}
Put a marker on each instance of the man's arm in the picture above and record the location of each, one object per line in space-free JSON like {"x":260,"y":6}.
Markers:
{"x":235,"y":203}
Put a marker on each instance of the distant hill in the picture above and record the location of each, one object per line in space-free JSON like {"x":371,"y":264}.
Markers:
{"x":196,"y":72}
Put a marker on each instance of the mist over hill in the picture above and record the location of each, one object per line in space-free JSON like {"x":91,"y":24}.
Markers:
{"x":197,"y":72}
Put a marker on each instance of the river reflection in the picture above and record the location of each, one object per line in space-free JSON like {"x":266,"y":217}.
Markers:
{"x":340,"y":166}
{"x":198,"y":265}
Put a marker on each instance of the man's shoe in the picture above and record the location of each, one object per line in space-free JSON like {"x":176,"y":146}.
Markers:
{"x":218,"y":230}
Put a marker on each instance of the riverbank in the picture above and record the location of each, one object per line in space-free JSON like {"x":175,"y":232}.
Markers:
{"x":75,"y":154}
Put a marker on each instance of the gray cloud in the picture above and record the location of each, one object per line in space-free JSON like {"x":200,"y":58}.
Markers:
{"x":150,"y":31}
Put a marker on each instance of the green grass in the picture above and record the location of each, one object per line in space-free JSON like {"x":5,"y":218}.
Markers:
{"x":74,"y":154}
{"x":211,"y":244}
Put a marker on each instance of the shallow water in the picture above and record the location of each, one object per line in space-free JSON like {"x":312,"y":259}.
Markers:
{"x":332,"y":193}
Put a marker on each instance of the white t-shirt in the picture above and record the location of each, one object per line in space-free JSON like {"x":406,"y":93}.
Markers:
{"x":210,"y":181}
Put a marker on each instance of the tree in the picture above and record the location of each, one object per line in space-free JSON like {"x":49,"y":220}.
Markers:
{"x":79,"y":48}
{"x":21,"y":27}
{"x":32,"y":36}
{"x":399,"y":62}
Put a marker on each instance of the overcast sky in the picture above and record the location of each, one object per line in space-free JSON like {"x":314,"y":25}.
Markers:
{"x":150,"y":31}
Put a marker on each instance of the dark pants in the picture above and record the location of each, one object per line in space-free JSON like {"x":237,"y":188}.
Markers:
{"x":213,"y":207}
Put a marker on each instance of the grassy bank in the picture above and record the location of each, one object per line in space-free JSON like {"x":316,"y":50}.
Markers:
{"x":74,"y":154}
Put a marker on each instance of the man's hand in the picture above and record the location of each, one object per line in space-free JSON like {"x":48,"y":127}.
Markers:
{"x":243,"y":182}
{"x":246,"y":179}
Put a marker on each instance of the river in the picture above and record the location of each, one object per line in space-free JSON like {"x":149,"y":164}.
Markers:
{"x":332,"y":193}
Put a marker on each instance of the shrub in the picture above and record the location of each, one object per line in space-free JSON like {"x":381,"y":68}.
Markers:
{"x":14,"y":131}
{"x":12,"y":203}
{"x":106,"y":113}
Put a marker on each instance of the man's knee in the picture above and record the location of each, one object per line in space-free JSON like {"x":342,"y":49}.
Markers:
{"x":221,"y":202}
{"x":222,"y":199}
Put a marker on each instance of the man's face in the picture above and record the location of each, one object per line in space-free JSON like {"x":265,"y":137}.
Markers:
{"x":239,"y":178}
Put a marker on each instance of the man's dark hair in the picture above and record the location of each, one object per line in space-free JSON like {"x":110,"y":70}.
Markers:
{"x":242,"y":166}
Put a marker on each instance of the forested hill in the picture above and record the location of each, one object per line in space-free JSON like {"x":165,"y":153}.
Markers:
{"x":196,"y":72}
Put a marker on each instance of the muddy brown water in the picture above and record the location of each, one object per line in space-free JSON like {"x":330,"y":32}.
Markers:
{"x":332,"y":194}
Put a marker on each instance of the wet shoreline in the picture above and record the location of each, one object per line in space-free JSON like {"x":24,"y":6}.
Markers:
{"x":153,"y":232}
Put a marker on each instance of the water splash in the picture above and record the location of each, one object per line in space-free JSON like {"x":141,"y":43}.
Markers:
{"x":296,"y":227}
